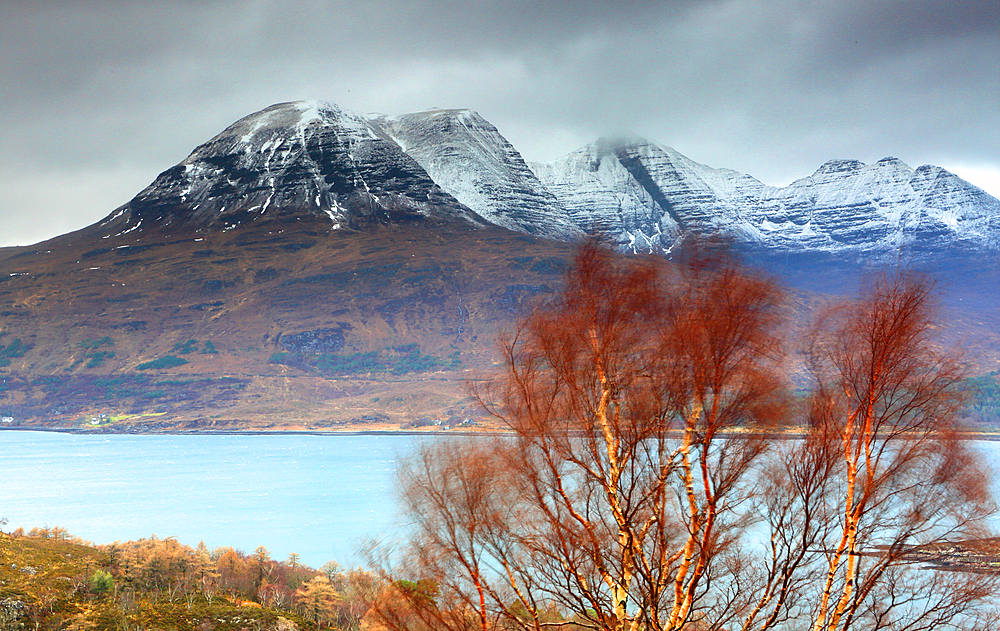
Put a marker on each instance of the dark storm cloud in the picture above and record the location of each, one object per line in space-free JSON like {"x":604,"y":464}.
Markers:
{"x":103,"y":96}
{"x":895,"y":24}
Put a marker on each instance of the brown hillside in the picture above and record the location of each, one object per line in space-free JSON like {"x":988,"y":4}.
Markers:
{"x":314,"y":328}
{"x":289,"y":325}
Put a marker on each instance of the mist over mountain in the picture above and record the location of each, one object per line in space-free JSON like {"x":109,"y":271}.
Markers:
{"x":468,"y":158}
{"x":315,"y":268}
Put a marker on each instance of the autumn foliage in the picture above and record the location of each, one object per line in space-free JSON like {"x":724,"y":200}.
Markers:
{"x":644,"y":487}
{"x":51,"y":580}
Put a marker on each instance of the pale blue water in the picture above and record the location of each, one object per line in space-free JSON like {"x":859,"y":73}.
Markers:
{"x":317,"y":496}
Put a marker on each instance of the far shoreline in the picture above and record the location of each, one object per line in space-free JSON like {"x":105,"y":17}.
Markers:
{"x":993,"y":435}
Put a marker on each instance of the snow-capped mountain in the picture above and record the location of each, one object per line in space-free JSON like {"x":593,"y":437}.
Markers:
{"x":292,"y":158}
{"x":881,"y":207}
{"x":469,"y":159}
{"x":353,"y":170}
{"x":271,"y":233}
{"x":645,"y":195}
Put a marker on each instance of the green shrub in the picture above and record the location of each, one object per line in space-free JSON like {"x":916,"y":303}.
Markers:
{"x":167,"y":361}
{"x":398,"y":360}
{"x":15,"y":349}
{"x":96,"y":359}
{"x":98,"y":343}
{"x":101,"y":583}
{"x":189,"y":346}
{"x":415,"y":363}
{"x":330,"y":364}
{"x":286,"y":359}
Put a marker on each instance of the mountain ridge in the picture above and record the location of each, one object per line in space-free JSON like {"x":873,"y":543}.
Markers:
{"x":453,"y":165}
{"x":844,"y":206}
{"x":468,"y":157}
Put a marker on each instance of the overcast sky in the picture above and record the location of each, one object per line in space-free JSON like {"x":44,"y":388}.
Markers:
{"x":99,"y":96}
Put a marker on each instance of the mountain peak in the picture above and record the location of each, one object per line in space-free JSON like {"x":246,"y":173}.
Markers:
{"x":839,"y":167}
{"x":892,"y":161}
{"x":298,"y":116}
{"x":894,"y":165}
{"x":608,"y":145}
{"x":292,"y":159}
{"x":446,"y":112}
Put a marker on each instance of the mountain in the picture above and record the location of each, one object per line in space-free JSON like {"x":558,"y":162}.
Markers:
{"x":275,"y":324}
{"x":645,"y":195}
{"x":314,"y":268}
{"x":297,"y":159}
{"x":880,"y":208}
{"x":311,"y":158}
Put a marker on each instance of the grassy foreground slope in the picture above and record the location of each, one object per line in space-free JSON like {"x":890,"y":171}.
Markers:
{"x":49,"y":580}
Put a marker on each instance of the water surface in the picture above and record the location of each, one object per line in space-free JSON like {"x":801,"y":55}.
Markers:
{"x":317,"y":496}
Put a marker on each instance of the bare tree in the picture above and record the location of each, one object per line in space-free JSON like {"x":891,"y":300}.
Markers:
{"x":641,"y":487}
{"x":887,"y":396}
{"x":880,"y":475}
{"x":619,"y":490}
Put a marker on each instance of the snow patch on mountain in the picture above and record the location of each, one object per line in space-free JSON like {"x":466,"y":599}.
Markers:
{"x":472,"y":161}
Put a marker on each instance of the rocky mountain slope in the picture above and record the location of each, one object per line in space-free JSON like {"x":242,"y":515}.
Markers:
{"x":469,"y":159}
{"x":274,"y":324}
{"x":314,"y":268}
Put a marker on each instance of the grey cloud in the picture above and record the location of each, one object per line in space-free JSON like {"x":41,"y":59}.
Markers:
{"x":772,"y":89}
